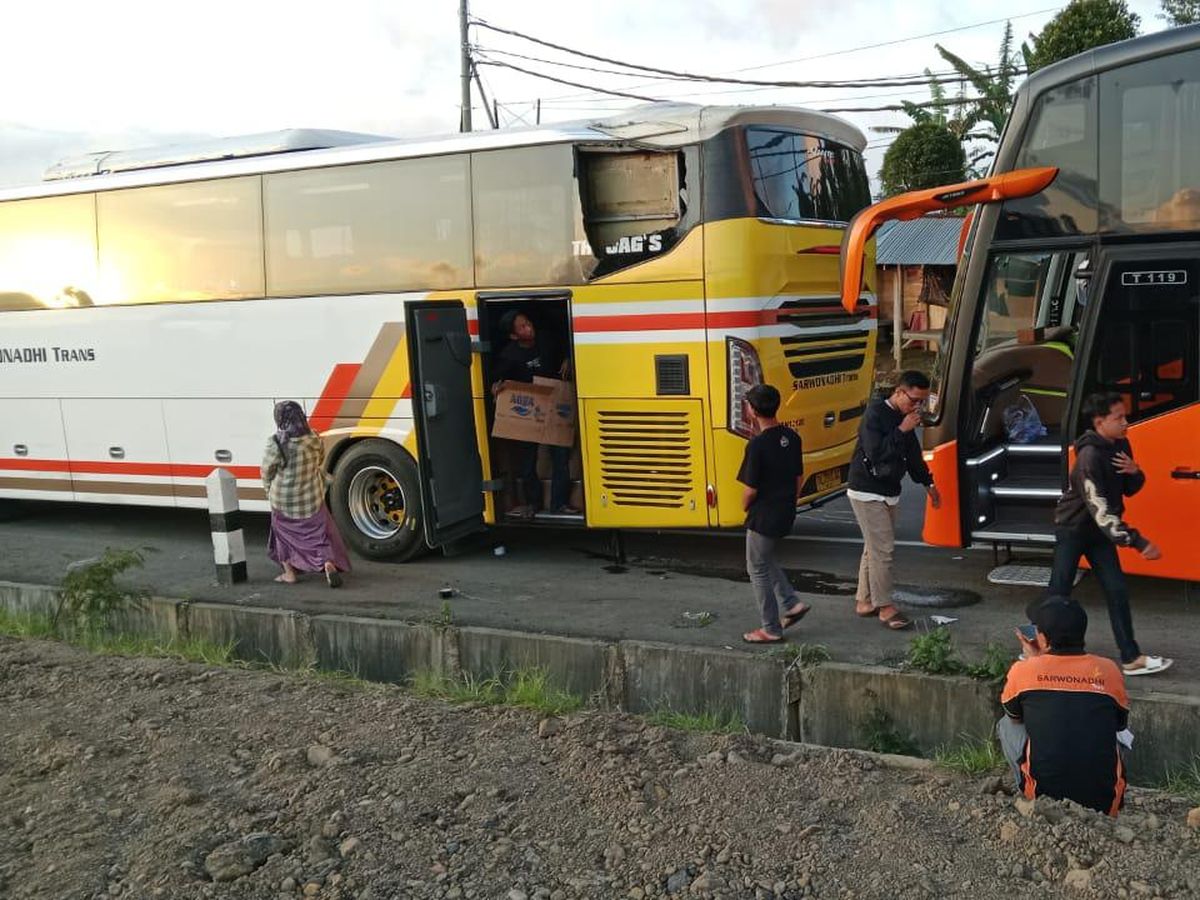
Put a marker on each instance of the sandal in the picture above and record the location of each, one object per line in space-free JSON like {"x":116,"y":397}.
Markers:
{"x":800,"y":611}
{"x":897,"y":621}
{"x":334,"y":578}
{"x":1147,"y":665}
{"x":869,"y":613}
{"x":521,"y":512}
{"x":762,"y":636}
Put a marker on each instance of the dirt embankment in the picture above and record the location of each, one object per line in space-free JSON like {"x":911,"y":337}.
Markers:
{"x":152,"y":778}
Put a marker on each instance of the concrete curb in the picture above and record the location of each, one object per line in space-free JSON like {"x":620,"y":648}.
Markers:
{"x":830,"y":705}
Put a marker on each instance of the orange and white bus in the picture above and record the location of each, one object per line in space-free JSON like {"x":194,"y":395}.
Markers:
{"x":1080,"y":273}
{"x":155,"y":305}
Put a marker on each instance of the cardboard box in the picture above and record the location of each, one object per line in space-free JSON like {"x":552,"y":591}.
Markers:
{"x":539,"y":413}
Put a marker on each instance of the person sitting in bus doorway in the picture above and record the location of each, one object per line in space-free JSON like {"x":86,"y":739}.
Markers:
{"x":773,"y":474}
{"x":526,"y":355}
{"x":1088,"y":522}
{"x":1066,"y":713}
{"x":303,"y":535}
{"x":887,"y":448}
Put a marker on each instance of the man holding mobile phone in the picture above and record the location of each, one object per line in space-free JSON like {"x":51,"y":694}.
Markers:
{"x":1065,"y":710}
{"x":886,"y":451}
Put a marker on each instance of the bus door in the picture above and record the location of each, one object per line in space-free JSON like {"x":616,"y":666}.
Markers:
{"x":1141,"y":340}
{"x":443,"y":409}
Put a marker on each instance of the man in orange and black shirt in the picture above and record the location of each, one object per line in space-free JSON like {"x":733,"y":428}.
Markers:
{"x":1064,"y":708}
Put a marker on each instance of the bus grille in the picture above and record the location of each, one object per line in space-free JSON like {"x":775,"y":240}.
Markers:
{"x":646,"y":457}
{"x":829,"y":340}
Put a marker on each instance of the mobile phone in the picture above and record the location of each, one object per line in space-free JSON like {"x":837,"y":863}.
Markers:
{"x":1029,"y":632}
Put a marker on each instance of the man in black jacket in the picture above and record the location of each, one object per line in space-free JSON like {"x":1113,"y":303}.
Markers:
{"x":887,"y":448}
{"x":1088,"y":522}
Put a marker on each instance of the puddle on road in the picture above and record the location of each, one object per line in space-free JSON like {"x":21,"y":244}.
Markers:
{"x":806,"y":581}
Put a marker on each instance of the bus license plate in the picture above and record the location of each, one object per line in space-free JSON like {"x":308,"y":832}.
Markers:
{"x":829,"y":480}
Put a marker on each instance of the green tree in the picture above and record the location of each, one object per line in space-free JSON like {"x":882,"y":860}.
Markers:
{"x":925,"y":155}
{"x":1084,"y":24}
{"x":1181,"y":12}
{"x":993,"y":86}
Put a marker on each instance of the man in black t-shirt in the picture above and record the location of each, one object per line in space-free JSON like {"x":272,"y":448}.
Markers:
{"x":526,"y":355}
{"x":773,"y":473}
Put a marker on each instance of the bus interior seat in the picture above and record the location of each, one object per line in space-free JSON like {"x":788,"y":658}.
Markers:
{"x":1001,"y":375}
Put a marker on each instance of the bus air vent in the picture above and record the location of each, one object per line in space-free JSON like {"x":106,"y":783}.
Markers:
{"x":671,"y":375}
{"x":646,"y":458}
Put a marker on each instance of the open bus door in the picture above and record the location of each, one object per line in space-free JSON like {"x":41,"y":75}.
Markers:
{"x":944,"y":525}
{"x":444,"y":413}
{"x":1141,"y":340}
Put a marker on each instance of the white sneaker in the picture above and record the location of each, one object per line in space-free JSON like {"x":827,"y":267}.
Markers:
{"x":1147,"y":665}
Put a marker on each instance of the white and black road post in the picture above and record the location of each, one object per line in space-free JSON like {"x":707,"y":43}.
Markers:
{"x":225,"y":519}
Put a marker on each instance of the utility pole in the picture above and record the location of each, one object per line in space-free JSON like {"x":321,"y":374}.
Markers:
{"x":465,"y":121}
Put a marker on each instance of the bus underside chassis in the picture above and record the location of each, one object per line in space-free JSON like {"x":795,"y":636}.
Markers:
{"x":375,"y":498}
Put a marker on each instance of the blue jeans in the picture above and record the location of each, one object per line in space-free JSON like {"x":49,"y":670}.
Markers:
{"x":1090,"y":541}
{"x":560,"y":478}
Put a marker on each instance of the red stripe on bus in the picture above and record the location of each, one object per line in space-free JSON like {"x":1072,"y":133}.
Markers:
{"x":98,"y":467}
{"x":332,"y":396}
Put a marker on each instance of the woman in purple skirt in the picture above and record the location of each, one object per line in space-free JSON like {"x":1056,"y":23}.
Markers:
{"x":303,"y":535}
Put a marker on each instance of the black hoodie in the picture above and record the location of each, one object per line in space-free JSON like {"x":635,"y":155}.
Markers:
{"x":1097,"y":491}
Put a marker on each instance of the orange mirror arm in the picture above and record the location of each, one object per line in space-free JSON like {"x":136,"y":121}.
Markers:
{"x":914,"y":204}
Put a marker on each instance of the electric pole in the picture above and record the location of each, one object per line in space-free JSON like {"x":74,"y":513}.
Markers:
{"x":465,"y":121}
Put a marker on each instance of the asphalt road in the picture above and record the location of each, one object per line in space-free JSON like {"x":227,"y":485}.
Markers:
{"x":565,"y":582}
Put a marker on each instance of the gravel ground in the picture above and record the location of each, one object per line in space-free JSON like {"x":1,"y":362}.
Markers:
{"x":154,"y":778}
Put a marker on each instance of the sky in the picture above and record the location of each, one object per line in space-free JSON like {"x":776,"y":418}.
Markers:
{"x":85,"y":77}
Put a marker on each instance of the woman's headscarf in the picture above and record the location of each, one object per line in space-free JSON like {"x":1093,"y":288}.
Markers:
{"x":290,"y":422}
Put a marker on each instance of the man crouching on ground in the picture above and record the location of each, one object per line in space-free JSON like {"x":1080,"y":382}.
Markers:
{"x":1064,"y":708}
{"x":773,"y":474}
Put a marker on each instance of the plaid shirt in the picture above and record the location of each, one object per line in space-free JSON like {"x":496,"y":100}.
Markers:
{"x":296,"y":490}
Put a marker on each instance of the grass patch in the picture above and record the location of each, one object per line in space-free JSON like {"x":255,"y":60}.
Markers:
{"x":330,"y":677}
{"x":527,"y":688}
{"x":973,"y":756}
{"x":706,"y":723}
{"x":25,"y":625}
{"x":803,"y":655}
{"x":119,"y":644}
{"x":1184,"y":780}
{"x":934,"y":653}
{"x":881,"y":735}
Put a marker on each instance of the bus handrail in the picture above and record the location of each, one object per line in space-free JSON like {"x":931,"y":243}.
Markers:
{"x":914,"y":204}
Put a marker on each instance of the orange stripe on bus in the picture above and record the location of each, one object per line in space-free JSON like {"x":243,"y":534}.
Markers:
{"x":332,"y":394}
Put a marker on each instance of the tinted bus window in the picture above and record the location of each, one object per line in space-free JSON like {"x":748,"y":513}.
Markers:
{"x":528,"y":223}
{"x":1150,"y":144}
{"x":48,"y":252}
{"x":1062,"y":133}
{"x":798,"y":176}
{"x":401,"y":225}
{"x":181,"y":242}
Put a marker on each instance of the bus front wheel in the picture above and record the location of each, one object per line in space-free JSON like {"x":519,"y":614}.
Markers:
{"x":376,"y":501}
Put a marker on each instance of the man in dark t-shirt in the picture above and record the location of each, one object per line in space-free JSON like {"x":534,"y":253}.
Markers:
{"x":530,"y":354}
{"x":772,"y":472}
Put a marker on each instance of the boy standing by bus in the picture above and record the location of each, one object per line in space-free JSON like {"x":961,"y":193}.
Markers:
{"x":773,"y":474}
{"x":1088,"y":522}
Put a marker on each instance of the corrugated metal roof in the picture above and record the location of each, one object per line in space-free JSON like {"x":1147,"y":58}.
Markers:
{"x":931,"y":241}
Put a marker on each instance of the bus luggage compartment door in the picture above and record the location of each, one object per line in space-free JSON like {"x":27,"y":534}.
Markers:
{"x":444,"y":410}
{"x":645,"y":463}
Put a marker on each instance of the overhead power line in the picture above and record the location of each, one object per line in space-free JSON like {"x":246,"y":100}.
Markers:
{"x":714,"y":79}
{"x":586,"y":87}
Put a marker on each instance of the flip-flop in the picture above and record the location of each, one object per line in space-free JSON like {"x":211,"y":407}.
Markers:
{"x":1151,"y":665}
{"x":869,"y":614}
{"x":334,"y":578}
{"x":762,"y":636}
{"x":792,"y":618}
{"x":895,"y":622}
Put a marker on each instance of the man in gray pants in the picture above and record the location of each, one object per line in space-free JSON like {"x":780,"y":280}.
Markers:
{"x":773,"y":474}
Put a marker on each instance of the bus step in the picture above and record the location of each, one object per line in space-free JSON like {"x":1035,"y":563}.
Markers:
{"x":1024,"y":574}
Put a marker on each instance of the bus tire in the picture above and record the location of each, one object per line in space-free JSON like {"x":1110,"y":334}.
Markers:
{"x":376,"y":501}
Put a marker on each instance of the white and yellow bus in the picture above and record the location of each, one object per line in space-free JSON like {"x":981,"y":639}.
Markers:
{"x":155,"y":305}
